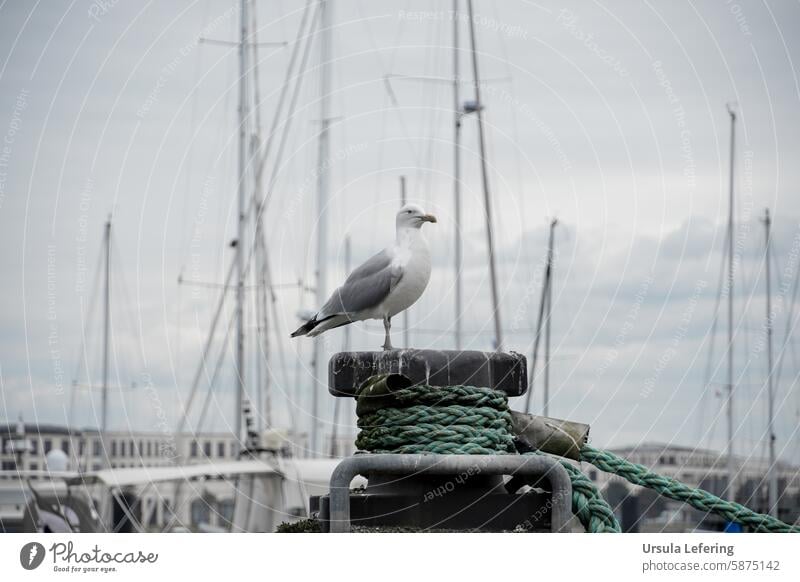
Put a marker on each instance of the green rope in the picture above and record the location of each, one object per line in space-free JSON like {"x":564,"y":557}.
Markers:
{"x":588,"y":505}
{"x":697,"y":498}
{"x":466,"y":420}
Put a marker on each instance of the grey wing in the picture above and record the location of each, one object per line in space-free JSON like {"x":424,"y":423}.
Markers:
{"x":366,"y":287}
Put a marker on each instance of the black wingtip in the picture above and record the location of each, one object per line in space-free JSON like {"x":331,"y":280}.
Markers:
{"x":305,"y":328}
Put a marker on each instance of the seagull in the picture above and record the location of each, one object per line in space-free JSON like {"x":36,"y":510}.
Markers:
{"x":385,"y":285}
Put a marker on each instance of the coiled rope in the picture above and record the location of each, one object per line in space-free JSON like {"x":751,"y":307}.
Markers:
{"x":468,"y":420}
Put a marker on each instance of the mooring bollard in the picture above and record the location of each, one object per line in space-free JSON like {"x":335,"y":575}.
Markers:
{"x":431,"y":491}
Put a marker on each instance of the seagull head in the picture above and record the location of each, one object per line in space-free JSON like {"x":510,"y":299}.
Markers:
{"x":413,"y":216}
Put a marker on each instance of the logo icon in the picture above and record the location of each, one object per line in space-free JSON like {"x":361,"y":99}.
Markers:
{"x":31,"y":555}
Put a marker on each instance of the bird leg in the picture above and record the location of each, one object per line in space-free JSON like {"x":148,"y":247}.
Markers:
{"x":387,"y":325}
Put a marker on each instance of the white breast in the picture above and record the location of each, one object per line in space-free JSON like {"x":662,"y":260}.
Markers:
{"x":415,"y":261}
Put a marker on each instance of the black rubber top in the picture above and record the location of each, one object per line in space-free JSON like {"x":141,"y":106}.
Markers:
{"x":506,"y":372}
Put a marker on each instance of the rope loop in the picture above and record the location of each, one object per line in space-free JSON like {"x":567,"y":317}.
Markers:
{"x":465,"y":420}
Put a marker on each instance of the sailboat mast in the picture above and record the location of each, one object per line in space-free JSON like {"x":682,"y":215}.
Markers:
{"x":731,"y":237}
{"x":457,"y":175}
{"x":498,"y":332}
{"x":772,"y":492}
{"x":548,"y":317}
{"x":325,"y":57}
{"x":403,"y":200}
{"x":106,"y":340}
{"x":337,"y":405}
{"x":241,"y":222}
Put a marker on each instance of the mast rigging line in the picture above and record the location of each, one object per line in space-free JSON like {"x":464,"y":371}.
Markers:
{"x":212,"y":381}
{"x":544,"y":307}
{"x":259,"y":202}
{"x":485,"y":181}
{"x":206,"y":352}
{"x":93,"y":303}
{"x":789,"y":327}
{"x":273,"y":286}
{"x":247,"y":263}
{"x":298,"y":78}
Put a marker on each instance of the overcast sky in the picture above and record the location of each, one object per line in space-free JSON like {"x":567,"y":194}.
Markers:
{"x":609,"y":115}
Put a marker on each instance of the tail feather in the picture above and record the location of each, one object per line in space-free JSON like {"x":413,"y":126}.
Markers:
{"x":308,"y":327}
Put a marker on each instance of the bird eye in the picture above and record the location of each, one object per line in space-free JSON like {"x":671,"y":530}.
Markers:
{"x":409,"y":211}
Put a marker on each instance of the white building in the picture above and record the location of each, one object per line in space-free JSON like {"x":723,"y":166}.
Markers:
{"x":125,"y":448}
{"x":203,"y":501}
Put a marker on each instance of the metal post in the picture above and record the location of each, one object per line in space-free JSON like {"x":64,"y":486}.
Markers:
{"x":326,"y":57}
{"x":772,"y":495}
{"x":731,"y":230}
{"x":498,"y":332}
{"x":457,"y":176}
